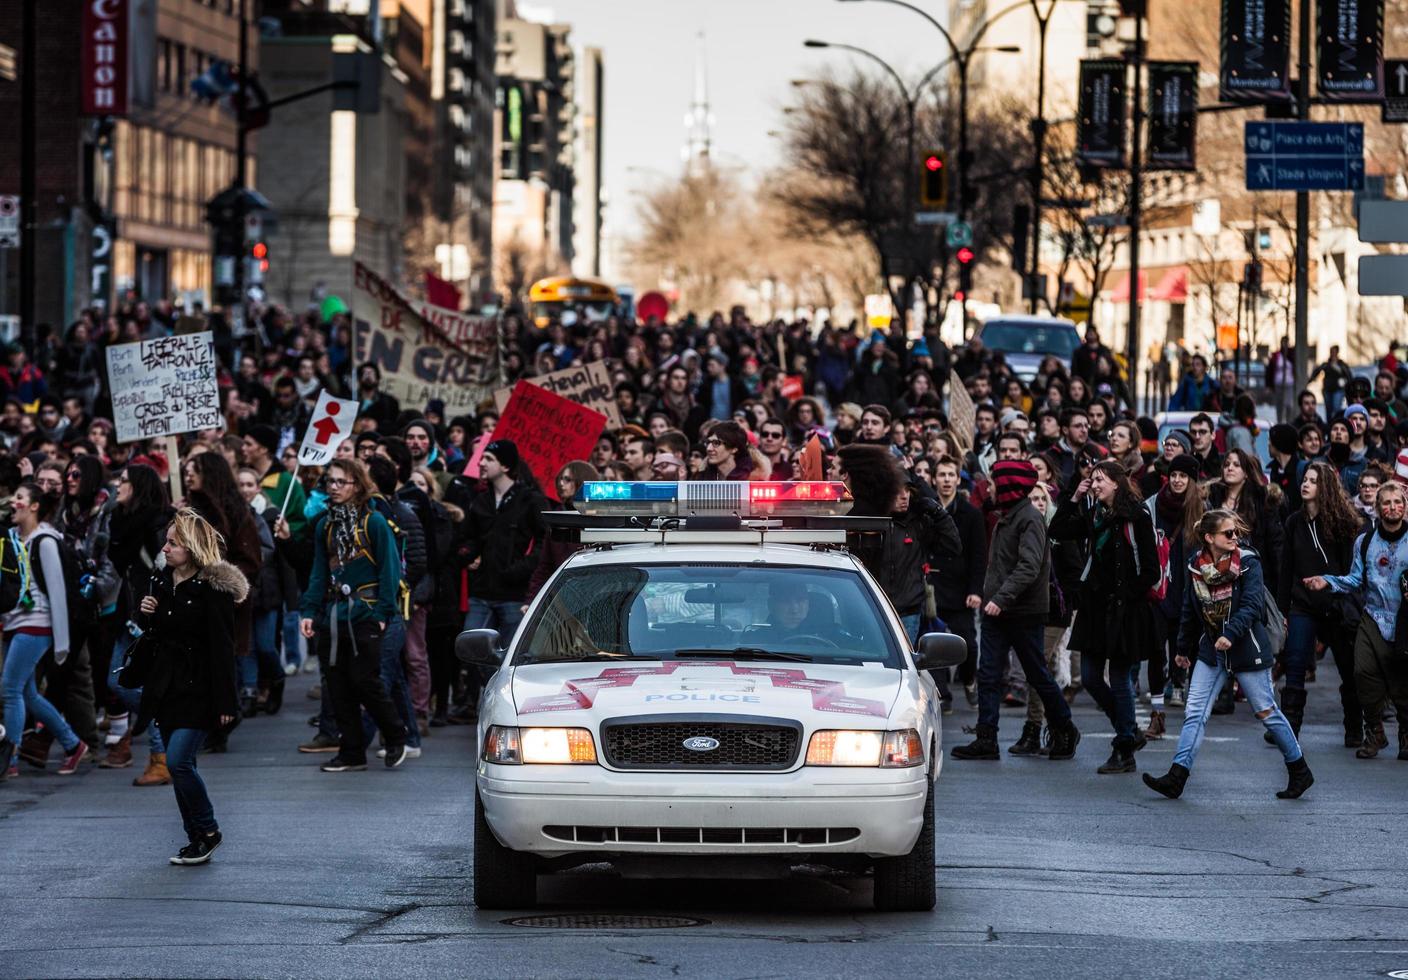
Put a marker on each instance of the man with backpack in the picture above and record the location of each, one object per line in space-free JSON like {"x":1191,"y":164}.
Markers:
{"x":1379,"y":573}
{"x":350,"y":601}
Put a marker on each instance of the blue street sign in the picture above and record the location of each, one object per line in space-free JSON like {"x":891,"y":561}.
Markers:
{"x":1304,"y":156}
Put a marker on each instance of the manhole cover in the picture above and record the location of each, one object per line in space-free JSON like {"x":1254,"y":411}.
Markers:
{"x":605,"y":922}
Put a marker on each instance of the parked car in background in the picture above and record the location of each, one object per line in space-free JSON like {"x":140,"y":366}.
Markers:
{"x":1026,"y":341}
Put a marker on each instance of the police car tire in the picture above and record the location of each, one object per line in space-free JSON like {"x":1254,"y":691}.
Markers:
{"x":906,"y":884}
{"x":503,"y":878}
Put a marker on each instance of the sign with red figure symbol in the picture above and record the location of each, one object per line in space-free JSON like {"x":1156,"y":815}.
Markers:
{"x":331,"y":423}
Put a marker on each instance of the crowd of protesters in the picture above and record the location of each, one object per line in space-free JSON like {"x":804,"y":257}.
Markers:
{"x":1071,"y":543}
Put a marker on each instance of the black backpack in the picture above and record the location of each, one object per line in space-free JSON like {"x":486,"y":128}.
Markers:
{"x":11,"y":570}
{"x":80,"y":587}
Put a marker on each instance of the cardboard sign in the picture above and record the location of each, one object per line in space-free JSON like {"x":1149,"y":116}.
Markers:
{"x":548,"y":430}
{"x":423,"y":351}
{"x":589,"y":385}
{"x":164,"y":387}
{"x":331,"y":424}
{"x":962,"y":413}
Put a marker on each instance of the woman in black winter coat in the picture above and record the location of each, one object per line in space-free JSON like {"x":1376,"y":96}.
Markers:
{"x":1114,"y":623}
{"x":1176,"y":508}
{"x":185,"y":664}
{"x":1319,"y":540}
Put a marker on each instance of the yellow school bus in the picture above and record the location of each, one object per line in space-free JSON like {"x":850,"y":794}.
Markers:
{"x":590,"y":299}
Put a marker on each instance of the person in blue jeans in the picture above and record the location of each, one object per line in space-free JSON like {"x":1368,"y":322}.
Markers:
{"x":393,"y":678}
{"x":1222,"y":626}
{"x":185,"y":665}
{"x":38,"y":622}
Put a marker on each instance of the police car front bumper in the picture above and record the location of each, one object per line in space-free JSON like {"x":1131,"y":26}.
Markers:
{"x":560,"y":810}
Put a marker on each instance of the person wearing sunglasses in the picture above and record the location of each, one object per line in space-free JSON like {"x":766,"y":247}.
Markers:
{"x":1222,"y":632}
{"x":772,"y":443}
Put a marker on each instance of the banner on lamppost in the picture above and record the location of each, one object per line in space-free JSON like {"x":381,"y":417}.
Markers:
{"x":103,"y":57}
{"x":1256,"y":51}
{"x":1100,"y":117}
{"x":1173,"y":115}
{"x":1350,"y":50}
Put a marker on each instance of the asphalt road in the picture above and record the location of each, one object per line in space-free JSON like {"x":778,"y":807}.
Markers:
{"x":1045,"y":869}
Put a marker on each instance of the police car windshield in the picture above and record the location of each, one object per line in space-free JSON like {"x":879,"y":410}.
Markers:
{"x":669,"y":612}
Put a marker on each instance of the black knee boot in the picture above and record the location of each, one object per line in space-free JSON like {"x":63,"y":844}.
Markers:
{"x":1293,"y":707}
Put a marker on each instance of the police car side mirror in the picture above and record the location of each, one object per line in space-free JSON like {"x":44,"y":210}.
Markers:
{"x":479,"y":648}
{"x":935,"y":651}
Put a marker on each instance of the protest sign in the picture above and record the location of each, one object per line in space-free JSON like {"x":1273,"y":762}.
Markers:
{"x":587,"y":384}
{"x":548,"y":430}
{"x":423,"y":351}
{"x":331,"y":423}
{"x":962,"y":413}
{"x":163,"y":387}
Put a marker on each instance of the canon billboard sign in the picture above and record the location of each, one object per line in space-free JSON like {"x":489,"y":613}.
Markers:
{"x":104,"y":59}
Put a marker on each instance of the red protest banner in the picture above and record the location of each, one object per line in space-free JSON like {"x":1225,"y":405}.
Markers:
{"x":792,"y":387}
{"x":548,"y":430}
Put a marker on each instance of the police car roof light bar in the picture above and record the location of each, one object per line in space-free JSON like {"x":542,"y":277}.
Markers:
{"x":741,"y":497}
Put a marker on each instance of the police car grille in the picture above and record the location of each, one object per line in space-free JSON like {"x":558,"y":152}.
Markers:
{"x":660,"y":745}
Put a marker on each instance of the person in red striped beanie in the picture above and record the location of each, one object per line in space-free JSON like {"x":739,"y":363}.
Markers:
{"x":1016,"y":601}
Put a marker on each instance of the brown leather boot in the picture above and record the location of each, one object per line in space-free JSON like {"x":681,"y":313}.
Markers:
{"x":119,"y":756}
{"x":1156,"y":725}
{"x":156,"y":773}
{"x":1374,"y":741}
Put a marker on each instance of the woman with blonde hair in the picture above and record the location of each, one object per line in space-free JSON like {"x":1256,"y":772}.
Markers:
{"x":184,"y":661}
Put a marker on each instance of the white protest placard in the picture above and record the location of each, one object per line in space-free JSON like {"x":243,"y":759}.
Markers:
{"x":164,"y":387}
{"x":331,"y":423}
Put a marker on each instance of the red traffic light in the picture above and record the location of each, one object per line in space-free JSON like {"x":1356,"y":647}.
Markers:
{"x":933,"y":162}
{"x":965,"y":255}
{"x":260,"y":250}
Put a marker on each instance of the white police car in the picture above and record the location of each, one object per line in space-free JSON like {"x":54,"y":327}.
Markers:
{"x":695,"y":692}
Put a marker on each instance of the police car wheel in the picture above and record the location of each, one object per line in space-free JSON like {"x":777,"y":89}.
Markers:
{"x":906,"y":884}
{"x":503,"y":879}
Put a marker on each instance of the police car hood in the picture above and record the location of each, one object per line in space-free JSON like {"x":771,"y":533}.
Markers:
{"x":582,"y":693}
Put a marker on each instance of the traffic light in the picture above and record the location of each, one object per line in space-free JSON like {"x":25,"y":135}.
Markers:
{"x":933,"y":180}
{"x":966,"y":257}
{"x":257,"y":263}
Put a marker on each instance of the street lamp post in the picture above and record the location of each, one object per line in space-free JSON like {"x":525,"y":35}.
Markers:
{"x":910,"y":106}
{"x":1038,"y":149}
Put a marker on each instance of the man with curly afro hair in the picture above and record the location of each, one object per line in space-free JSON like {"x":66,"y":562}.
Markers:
{"x":920,"y":529}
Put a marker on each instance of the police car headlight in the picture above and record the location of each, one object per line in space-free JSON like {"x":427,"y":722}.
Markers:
{"x":887,"y":750}
{"x":511,"y":746}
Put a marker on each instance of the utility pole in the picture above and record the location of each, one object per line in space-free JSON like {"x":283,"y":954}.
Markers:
{"x":29,"y":225}
{"x":1136,"y":160}
{"x":241,"y":166}
{"x":1302,"y":346}
{"x":1038,"y":149}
